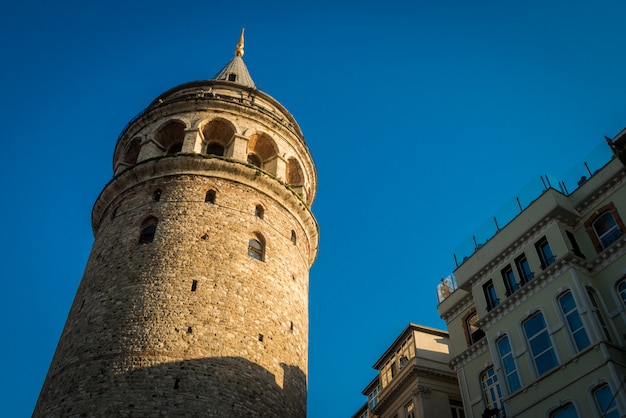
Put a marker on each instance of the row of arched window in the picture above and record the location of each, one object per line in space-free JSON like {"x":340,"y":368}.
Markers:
{"x":218,"y":135}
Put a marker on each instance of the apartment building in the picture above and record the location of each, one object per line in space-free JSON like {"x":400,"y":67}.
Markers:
{"x":536,"y":310}
{"x":414,"y":379}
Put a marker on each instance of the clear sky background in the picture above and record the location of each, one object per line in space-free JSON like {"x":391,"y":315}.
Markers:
{"x":423,"y":118}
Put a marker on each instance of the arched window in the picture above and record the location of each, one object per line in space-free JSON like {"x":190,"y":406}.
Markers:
{"x":606,"y":229}
{"x":293,"y":237}
{"x":294,"y":173}
{"x":259,"y":212}
{"x":508,"y":363}
{"x":132,"y":152}
{"x":597,"y":312}
{"x":157,"y":195}
{"x":605,"y":402}
{"x":171,"y":136}
{"x":210,"y":196}
{"x":256,"y":248}
{"x":217,"y":134}
{"x":148,"y":229}
{"x":567,"y":411}
{"x":573,"y":320}
{"x":540,"y":343}
{"x":174,"y":148}
{"x":215,"y":148}
{"x":492,"y":394}
{"x":254,"y":160}
{"x":621,"y":289}
{"x":262,"y":152}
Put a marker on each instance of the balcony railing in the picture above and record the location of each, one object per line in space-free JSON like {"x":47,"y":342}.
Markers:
{"x":575,"y":178}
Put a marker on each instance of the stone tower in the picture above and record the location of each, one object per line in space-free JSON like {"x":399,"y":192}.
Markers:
{"x":194,"y":301}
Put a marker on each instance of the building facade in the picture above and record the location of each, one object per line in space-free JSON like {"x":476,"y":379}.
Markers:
{"x":194,"y":300}
{"x":537,"y":312}
{"x":414,"y":379}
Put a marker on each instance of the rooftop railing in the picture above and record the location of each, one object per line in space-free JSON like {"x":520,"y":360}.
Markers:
{"x":571,"y":181}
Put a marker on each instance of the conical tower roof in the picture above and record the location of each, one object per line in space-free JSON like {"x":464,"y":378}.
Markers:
{"x":236,"y":70}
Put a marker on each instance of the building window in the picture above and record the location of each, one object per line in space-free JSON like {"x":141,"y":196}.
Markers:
{"x":474,"y":333}
{"x":157,"y":195}
{"x":575,"y":247}
{"x":259,"y":212}
{"x":456,"y":407}
{"x":545,"y":252}
{"x":621,"y":289}
{"x":232,"y":77}
{"x":254,"y":160}
{"x":508,"y":363}
{"x":540,"y":343}
{"x":406,"y":352}
{"x":372,"y":398}
{"x":210,"y":196}
{"x":595,"y":306}
{"x":567,"y":411}
{"x":509,"y":280}
{"x":215,"y":148}
{"x":256,"y":249}
{"x":574,"y":321}
{"x":492,"y":394}
{"x":148,"y":229}
{"x":606,"y":229}
{"x":490,"y":295}
{"x":409,"y":410}
{"x":175,"y":148}
{"x":388,"y":372}
{"x":523,"y":268}
{"x":294,"y":239}
{"x":605,"y":402}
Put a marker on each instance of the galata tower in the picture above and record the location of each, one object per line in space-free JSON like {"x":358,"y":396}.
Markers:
{"x":194,"y":301}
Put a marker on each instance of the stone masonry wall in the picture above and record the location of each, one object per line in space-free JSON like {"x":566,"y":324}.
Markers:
{"x":189,"y":324}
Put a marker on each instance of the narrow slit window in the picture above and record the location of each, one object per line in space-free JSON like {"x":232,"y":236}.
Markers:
{"x":210,"y":196}
{"x":545,"y":252}
{"x":148,"y":230}
{"x":490,"y":295}
{"x":573,"y":320}
{"x":523,"y":268}
{"x":259,"y":212}
{"x":540,"y":343}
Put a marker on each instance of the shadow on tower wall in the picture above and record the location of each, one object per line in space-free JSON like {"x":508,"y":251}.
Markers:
{"x":209,"y":387}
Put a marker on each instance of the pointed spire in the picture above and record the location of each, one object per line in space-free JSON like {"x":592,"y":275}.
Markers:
{"x":239,"y":49}
{"x":236,"y":70}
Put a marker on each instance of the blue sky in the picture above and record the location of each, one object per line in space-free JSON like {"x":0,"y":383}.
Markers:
{"x":423,"y":119}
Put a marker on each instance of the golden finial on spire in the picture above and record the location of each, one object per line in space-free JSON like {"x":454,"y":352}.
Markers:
{"x":239,"y":49}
